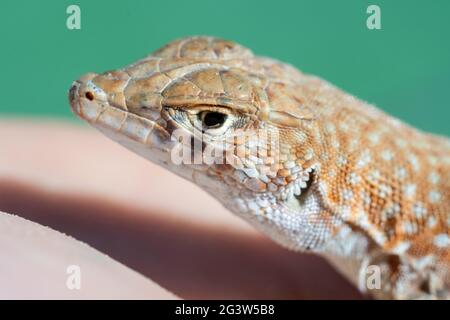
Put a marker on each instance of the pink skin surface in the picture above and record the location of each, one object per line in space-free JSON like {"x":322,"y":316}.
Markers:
{"x":165,"y":238}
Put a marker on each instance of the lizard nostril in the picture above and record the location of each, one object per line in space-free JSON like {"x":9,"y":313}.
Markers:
{"x":89,"y":95}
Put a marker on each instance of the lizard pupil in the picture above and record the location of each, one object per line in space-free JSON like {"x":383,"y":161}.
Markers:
{"x":213,"y":119}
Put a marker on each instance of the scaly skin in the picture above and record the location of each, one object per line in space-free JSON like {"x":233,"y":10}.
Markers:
{"x":338,"y":177}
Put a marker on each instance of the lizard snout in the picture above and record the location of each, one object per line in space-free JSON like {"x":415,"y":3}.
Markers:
{"x":89,"y":94}
{"x":83,"y":88}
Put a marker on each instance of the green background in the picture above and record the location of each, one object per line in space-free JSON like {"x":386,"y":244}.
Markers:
{"x":403,"y":68}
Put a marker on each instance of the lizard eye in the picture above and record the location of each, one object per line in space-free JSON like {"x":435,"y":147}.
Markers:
{"x":212,"y":119}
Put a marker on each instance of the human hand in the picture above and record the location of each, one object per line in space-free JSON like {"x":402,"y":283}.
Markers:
{"x":73,"y":180}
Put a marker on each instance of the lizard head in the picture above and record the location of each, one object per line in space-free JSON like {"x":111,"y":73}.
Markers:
{"x":235,"y":124}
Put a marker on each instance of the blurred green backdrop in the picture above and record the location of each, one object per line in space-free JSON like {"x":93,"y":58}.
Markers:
{"x":403,"y":68}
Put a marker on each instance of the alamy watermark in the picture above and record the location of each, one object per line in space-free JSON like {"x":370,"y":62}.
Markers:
{"x":237,"y":148}
{"x":370,"y":278}
{"x":73,"y":21}
{"x":73,"y":281}
{"x":373,"y":21}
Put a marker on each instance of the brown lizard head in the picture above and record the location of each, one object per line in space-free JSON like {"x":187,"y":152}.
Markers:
{"x":298,"y":158}
{"x":231,"y":122}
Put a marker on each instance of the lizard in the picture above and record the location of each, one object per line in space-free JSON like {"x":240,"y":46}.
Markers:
{"x":313,"y":167}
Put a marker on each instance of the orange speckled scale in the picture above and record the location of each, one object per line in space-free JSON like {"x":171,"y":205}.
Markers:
{"x":343,"y":179}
